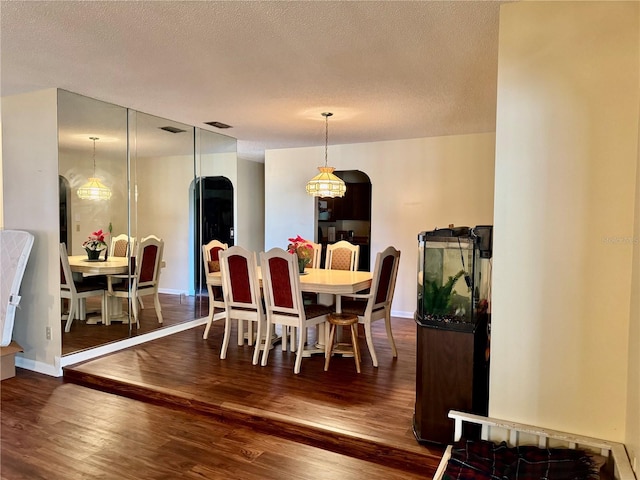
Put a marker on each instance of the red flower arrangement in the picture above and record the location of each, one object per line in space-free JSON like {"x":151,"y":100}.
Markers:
{"x":95,"y":242}
{"x":302,"y":248}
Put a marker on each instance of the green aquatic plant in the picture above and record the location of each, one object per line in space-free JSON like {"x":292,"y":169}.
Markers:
{"x":437,"y":299}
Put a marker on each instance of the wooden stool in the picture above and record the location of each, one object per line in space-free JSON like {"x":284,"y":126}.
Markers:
{"x":342,"y":319}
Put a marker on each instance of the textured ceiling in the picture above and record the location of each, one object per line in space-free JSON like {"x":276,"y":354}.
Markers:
{"x":387,"y":70}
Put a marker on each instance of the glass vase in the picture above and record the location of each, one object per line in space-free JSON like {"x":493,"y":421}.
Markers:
{"x":93,"y":254}
{"x":302,"y":263}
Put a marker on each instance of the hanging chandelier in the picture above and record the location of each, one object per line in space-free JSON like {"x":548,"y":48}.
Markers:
{"x":94,"y":189}
{"x":326,"y":184}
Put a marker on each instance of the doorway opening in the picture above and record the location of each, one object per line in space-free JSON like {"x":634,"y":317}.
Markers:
{"x":348,"y":218}
{"x":65,"y":213}
{"x":214,"y":208}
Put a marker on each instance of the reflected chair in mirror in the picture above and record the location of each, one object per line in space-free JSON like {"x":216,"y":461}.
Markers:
{"x":376,"y":304}
{"x":210,"y":257}
{"x":122,"y":245}
{"x":145,"y":278}
{"x":242,"y":295}
{"x":283,"y":300}
{"x":77,"y":292}
{"x":342,"y":256}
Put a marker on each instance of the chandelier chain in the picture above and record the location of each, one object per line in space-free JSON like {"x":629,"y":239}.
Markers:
{"x":326,"y":138}
{"x":94,"y":154}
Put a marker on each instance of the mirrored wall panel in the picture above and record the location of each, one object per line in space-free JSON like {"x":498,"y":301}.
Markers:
{"x":157,"y":190}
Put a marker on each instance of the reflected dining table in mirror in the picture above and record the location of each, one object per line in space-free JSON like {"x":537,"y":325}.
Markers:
{"x":80,"y":264}
{"x":338,"y":283}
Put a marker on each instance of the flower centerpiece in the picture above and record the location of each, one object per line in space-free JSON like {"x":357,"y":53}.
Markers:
{"x":95,"y":244}
{"x":303,"y":249}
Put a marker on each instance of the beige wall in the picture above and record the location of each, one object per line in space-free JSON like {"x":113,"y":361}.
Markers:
{"x":566,"y":173}
{"x":417,"y":184}
{"x":30,"y":192}
{"x":250,"y":205}
{"x":632,"y":437}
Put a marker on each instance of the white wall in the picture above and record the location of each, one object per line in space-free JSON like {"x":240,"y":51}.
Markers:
{"x":163,"y":206}
{"x":250,"y":205}
{"x":164,"y":209}
{"x":417,"y":184}
{"x":30,"y":201}
{"x":566,"y":160}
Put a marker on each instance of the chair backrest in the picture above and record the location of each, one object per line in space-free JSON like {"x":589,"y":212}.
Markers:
{"x":148,"y":261}
{"x":210,"y":255}
{"x":66,"y":277}
{"x":383,"y":282}
{"x":122,"y":245}
{"x":342,"y":256}
{"x":281,"y":282}
{"x":240,"y":284}
{"x":317,"y":255}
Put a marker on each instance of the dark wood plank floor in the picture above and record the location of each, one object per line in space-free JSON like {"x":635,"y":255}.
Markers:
{"x":367,"y":415}
{"x":175,"y":309}
{"x":55,"y":430}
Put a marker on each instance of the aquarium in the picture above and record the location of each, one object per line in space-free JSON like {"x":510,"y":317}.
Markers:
{"x":454,"y":276}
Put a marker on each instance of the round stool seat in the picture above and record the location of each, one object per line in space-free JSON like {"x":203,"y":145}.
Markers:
{"x":342,"y":320}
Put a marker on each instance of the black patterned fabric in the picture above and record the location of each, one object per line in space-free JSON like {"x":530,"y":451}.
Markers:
{"x":483,"y":460}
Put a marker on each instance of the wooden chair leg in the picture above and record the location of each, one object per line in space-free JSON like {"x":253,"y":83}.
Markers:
{"x":328,"y":348}
{"x":225,"y":340}
{"x":156,"y":302}
{"x":72,"y":307}
{"x":354,"y":341}
{"x":265,"y":352}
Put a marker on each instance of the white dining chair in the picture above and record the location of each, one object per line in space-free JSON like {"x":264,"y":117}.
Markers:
{"x":210,"y":257}
{"x":144,"y":280}
{"x":283,"y":300}
{"x":242,"y":295}
{"x":342,"y":255}
{"x":317,"y":255}
{"x":122,"y":245}
{"x":376,"y":304}
{"x":77,"y":292}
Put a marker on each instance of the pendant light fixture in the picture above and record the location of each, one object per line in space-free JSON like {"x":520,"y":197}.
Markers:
{"x":94,"y":189}
{"x":326,"y":184}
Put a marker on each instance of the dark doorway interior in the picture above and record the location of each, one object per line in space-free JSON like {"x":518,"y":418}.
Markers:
{"x":214,"y":208}
{"x":63,"y":191}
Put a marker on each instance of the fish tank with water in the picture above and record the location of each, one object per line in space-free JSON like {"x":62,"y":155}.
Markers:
{"x":454,"y":277}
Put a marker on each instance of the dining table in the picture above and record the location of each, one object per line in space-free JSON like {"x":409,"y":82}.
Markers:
{"x":338,"y":283}
{"x":81,"y":265}
{"x":111,"y":266}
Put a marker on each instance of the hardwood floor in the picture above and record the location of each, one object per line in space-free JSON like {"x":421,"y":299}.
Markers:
{"x":57,"y":430}
{"x":349,"y":425}
{"x":175,"y":309}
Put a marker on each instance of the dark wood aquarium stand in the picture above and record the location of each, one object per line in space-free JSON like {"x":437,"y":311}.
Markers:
{"x":452,"y":373}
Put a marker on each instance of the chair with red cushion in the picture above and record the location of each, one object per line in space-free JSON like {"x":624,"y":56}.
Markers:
{"x":145,"y":278}
{"x":241,"y":294}
{"x":76,"y":292}
{"x":376,"y":304}
{"x":283,"y":300}
{"x":211,"y":257}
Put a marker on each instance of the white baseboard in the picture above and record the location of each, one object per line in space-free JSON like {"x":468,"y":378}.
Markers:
{"x":402,"y":314}
{"x":83,"y":356}
{"x":39,"y":367}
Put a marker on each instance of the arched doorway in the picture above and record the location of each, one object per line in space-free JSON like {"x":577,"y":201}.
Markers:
{"x":214,"y":208}
{"x":348,"y":218}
